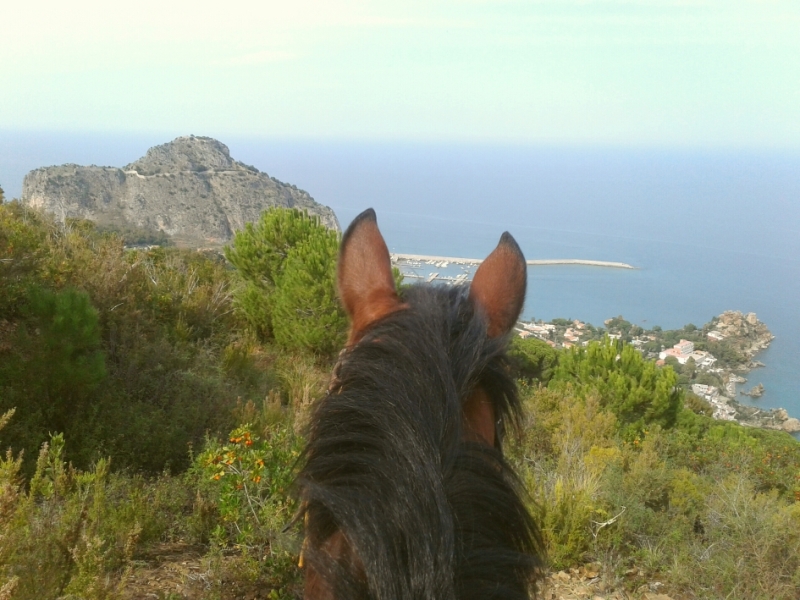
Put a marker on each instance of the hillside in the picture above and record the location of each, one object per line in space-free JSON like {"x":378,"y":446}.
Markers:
{"x":153,"y":404}
{"x":190,"y":188}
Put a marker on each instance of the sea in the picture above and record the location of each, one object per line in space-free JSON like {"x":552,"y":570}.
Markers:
{"x":708,"y":230}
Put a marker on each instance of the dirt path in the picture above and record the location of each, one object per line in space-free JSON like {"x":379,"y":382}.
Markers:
{"x":588,"y":583}
{"x":183,"y":572}
{"x":169,"y":571}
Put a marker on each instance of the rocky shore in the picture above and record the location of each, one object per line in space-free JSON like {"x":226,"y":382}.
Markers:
{"x":727,"y":409}
{"x":755,"y":392}
{"x":749,"y":336}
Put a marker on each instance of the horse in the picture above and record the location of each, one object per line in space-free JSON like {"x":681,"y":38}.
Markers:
{"x":404,"y":489}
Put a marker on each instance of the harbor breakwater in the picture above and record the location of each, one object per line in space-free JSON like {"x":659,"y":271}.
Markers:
{"x":398,"y":258}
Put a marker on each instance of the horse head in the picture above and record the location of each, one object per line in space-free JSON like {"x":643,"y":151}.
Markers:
{"x":404,"y":486}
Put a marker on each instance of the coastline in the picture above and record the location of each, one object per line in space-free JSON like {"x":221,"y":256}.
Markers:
{"x":723,"y":401}
{"x":740,"y":331}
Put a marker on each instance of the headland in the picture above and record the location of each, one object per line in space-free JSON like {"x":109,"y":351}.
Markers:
{"x":709,"y":361}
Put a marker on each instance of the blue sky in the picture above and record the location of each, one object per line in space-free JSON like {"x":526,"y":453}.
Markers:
{"x":671,"y":72}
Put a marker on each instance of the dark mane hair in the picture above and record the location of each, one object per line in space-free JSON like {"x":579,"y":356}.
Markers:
{"x":424,"y":513}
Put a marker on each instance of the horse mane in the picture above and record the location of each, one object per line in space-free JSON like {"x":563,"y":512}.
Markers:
{"x":415,"y":510}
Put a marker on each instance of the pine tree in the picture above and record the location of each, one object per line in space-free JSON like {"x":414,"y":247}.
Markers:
{"x":637,"y":391}
{"x":306,"y":313}
{"x":532,"y":359}
{"x":54,"y":365}
{"x":287,"y":267}
{"x":259,"y":251}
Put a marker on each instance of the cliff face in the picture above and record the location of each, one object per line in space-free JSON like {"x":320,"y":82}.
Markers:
{"x":189,"y":188}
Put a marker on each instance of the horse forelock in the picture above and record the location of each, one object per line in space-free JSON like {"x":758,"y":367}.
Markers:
{"x":424,"y":511}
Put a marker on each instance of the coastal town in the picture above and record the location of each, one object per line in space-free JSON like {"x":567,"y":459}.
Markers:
{"x":710,"y":361}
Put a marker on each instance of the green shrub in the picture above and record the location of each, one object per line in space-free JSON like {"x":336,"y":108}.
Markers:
{"x":53,"y":366}
{"x":247,"y":479}
{"x":634,"y":389}
{"x":567,"y":445}
{"x":259,"y":253}
{"x":532,"y":359}
{"x":120,"y":351}
{"x":306,"y":312}
{"x":749,"y":548}
{"x":23,"y":236}
{"x":287,"y":269}
{"x":76,"y":532}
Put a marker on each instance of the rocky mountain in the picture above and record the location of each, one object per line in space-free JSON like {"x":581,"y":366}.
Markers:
{"x":189,"y":188}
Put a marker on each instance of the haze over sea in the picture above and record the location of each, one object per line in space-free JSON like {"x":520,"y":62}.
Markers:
{"x":709,"y":230}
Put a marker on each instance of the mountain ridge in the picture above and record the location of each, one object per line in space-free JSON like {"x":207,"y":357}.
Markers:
{"x":190,"y":188}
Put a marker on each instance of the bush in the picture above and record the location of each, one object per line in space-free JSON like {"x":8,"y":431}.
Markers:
{"x":751,"y":545}
{"x":248,"y":479}
{"x":566,"y":448}
{"x":23,"y":236}
{"x":53,"y":366}
{"x":122,"y":351}
{"x":532,"y":359}
{"x":69,"y":530}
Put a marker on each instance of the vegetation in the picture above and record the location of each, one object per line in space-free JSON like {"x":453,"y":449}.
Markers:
{"x":635,"y":390}
{"x":729,"y":353}
{"x":532,"y":359}
{"x":286,"y":267}
{"x":709,"y":508}
{"x":137,"y":236}
{"x":306,"y":314}
{"x":155,"y":399}
{"x":122,"y":352}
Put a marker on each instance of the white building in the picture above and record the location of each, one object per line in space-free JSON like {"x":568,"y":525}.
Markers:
{"x":540,"y":330}
{"x":682,"y":351}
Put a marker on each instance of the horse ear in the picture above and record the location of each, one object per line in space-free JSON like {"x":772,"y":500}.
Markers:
{"x":364,"y":276}
{"x":498,"y":287}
